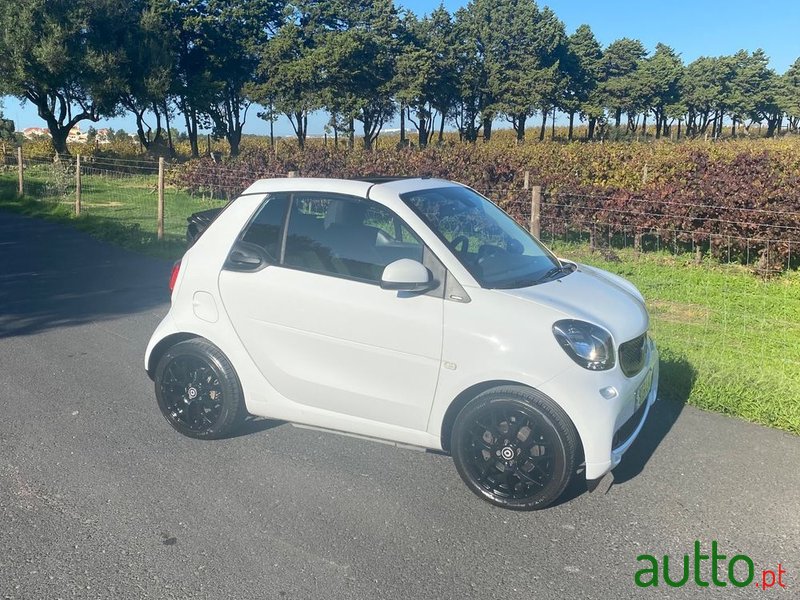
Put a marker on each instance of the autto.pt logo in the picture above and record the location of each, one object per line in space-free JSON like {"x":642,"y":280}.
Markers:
{"x":704,"y":569}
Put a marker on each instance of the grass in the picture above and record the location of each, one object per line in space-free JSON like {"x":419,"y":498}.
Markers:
{"x":729,"y":341}
{"x":116,"y":207}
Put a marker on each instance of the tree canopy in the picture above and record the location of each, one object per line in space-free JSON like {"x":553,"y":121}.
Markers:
{"x":205,"y":62}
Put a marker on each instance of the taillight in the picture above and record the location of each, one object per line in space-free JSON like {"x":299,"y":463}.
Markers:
{"x":176,"y":268}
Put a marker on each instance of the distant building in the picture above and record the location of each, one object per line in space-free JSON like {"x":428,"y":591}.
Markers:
{"x":76,"y":137}
{"x":102,"y":136}
{"x":31,"y":133}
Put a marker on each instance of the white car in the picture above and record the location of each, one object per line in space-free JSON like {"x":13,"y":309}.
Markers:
{"x":413,"y":311}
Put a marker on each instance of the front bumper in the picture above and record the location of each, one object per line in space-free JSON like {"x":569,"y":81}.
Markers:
{"x":607,"y":426}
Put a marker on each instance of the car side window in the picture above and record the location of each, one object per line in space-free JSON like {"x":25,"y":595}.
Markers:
{"x":346,"y":237}
{"x":266,"y":227}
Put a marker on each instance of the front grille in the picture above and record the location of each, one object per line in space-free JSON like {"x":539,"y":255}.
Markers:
{"x":632,"y":355}
{"x":628,"y":427}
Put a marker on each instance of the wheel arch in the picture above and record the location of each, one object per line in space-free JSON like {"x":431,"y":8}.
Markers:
{"x":162,"y":346}
{"x":461,"y":401}
{"x":473,"y":391}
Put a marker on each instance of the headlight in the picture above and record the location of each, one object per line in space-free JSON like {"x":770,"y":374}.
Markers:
{"x":588,"y":345}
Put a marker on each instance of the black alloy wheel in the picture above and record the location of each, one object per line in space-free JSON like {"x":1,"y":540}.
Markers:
{"x":514,"y":447}
{"x":198,"y":391}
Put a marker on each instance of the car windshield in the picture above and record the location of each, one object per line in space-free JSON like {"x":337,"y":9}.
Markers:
{"x":490,"y":244}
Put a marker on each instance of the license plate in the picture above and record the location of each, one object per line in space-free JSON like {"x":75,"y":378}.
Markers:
{"x":644,"y":390}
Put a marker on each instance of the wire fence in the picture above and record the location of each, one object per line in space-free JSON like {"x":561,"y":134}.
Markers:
{"x":721,"y":283}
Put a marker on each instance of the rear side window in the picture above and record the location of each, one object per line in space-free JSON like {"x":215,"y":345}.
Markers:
{"x":265,"y":229}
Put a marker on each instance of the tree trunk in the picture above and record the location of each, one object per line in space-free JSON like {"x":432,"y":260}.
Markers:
{"x":402,"y":125}
{"x":423,"y":132}
{"x":234,"y":138}
{"x":644,"y":125}
{"x":519,"y":127}
{"x":190,"y":116}
{"x":679,"y":130}
{"x":487,"y":129}
{"x":733,"y":127}
{"x":441,"y":129}
{"x":553,"y":125}
{"x":351,"y":139}
{"x":571,"y":123}
{"x":543,"y":128}
{"x":617,"y":117}
{"x":59,"y":135}
{"x":772,"y":123}
{"x":592,"y":125}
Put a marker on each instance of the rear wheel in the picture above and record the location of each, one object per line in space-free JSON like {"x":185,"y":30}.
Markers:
{"x":514,"y":447}
{"x":198,"y":391}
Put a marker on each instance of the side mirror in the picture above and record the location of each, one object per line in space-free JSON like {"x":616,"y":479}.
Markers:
{"x":406,"y":275}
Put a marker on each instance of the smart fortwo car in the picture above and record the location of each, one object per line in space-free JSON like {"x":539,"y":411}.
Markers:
{"x":414,"y":311}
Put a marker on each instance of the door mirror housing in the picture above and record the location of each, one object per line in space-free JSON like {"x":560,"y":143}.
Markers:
{"x":406,"y":275}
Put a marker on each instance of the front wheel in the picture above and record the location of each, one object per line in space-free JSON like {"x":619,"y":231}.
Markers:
{"x":515,"y":448}
{"x":198,"y":391}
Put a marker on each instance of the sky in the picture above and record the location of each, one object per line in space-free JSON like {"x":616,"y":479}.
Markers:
{"x":692,"y":27}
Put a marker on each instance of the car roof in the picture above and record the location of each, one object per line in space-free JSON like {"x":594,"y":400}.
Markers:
{"x":355,"y":187}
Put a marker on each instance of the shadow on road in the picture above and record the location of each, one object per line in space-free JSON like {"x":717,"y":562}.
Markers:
{"x":52,"y":275}
{"x":677,"y":377}
{"x":253,"y":425}
{"x":677,"y":380}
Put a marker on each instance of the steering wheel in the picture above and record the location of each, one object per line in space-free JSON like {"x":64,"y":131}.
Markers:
{"x":488,"y":250}
{"x":463,"y":241}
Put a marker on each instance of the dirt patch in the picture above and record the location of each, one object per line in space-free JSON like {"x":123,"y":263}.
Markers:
{"x":94,"y":204}
{"x":679,"y":312}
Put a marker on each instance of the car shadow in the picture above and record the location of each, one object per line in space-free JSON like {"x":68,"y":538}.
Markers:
{"x":52,"y":275}
{"x":253,"y":424}
{"x":676,"y":380}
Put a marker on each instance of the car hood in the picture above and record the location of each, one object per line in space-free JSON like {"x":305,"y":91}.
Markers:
{"x":595,"y":296}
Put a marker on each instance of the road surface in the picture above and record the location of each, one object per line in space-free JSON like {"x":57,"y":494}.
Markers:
{"x":100,"y":498}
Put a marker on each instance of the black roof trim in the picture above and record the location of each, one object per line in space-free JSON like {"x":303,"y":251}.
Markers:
{"x":385,"y":179}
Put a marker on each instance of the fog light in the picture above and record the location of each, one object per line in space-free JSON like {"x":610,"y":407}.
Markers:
{"x":609,"y":392}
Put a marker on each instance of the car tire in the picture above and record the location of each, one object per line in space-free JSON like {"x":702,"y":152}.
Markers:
{"x":198,"y":391}
{"x":514,"y":447}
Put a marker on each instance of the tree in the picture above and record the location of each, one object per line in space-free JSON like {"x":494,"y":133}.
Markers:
{"x":755,"y":90}
{"x":150,"y":72}
{"x":235,"y":31}
{"x":658,"y":80}
{"x":359,"y":43}
{"x":289,"y":72}
{"x":472,"y":96}
{"x":791,"y":94}
{"x":619,"y":89}
{"x":426,"y":71}
{"x":704,"y":91}
{"x":582,"y":66}
{"x":65,"y":57}
{"x":508,"y":63}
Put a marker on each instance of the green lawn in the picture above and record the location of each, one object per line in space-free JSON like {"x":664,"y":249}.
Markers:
{"x":729,"y":341}
{"x":116,"y":207}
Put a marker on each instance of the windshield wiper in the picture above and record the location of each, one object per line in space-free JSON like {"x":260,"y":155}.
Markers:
{"x":565,"y":269}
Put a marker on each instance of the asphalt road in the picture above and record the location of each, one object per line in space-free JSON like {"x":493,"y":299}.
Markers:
{"x":100,"y":498}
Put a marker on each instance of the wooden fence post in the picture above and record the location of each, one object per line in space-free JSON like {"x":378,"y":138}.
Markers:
{"x":21,"y":182}
{"x":160,"y":227}
{"x":77,"y":185}
{"x":536,"y":211}
{"x":527,"y":183}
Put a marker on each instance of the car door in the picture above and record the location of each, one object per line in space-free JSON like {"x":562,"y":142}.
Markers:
{"x":316,"y":321}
